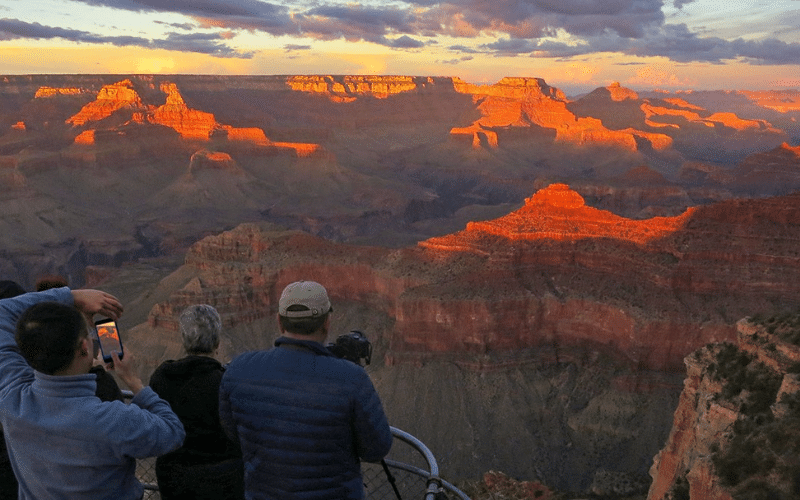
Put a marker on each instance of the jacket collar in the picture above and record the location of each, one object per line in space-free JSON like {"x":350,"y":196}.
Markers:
{"x":314,"y":347}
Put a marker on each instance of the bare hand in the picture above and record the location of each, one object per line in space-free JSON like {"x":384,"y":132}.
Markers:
{"x":125,"y":368}
{"x":97,"y":302}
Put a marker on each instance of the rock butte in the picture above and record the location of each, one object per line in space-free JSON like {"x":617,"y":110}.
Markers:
{"x":191,"y":124}
{"x":550,"y":274}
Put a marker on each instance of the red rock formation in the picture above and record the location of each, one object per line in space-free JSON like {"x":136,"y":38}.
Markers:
{"x":86,"y":137}
{"x":111,"y":98}
{"x":559,"y":213}
{"x":515,"y":104}
{"x":205,"y":159}
{"x":704,"y":420}
{"x":555,"y":272}
{"x":620,"y":93}
{"x":783,"y":101}
{"x":352,"y":86}
{"x":19,"y":126}
{"x":251,"y":135}
{"x":51,"y":91}
{"x":190,"y":123}
{"x":732,"y":121}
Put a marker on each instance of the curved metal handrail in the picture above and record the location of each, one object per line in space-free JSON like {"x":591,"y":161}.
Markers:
{"x":434,"y":483}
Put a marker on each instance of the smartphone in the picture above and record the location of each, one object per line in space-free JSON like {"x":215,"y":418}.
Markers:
{"x":108,"y":334}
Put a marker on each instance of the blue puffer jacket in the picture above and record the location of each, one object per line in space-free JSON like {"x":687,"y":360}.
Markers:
{"x":304,"y":419}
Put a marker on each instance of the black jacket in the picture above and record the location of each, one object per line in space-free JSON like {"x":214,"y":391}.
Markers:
{"x":191,"y":386}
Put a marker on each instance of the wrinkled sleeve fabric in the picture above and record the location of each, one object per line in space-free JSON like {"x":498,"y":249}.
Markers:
{"x":372,"y":432}
{"x":159,"y":431}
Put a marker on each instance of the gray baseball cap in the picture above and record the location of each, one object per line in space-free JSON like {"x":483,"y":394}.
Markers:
{"x":309,"y":294}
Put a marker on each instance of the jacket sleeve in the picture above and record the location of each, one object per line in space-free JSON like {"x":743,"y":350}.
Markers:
{"x":147,"y":427}
{"x":372,"y":432}
{"x":13,"y":367}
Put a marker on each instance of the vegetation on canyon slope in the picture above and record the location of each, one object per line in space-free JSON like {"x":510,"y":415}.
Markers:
{"x":761,"y":460}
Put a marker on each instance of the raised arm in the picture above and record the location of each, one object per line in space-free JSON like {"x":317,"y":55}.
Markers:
{"x":92,"y":302}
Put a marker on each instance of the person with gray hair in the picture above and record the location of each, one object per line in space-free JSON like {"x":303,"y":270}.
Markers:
{"x":209,"y":464}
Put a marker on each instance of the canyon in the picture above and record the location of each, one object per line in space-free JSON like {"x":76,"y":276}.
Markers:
{"x":521,"y":328}
{"x":530,"y":267}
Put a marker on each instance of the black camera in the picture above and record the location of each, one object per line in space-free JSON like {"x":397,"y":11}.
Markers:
{"x":353,"y":346}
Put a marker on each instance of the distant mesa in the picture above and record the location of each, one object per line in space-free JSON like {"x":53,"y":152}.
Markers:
{"x":615,"y":92}
{"x":345,"y":88}
{"x":110,"y":99}
{"x":515,"y":105}
{"x":190,"y":123}
{"x":556,"y":213}
{"x":45,"y":92}
{"x":216,"y":160}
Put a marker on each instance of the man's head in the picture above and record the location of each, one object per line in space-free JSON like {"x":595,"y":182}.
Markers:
{"x":304,"y":308}
{"x":50,"y":335}
{"x":50,"y":281}
{"x":10,"y":289}
{"x":200,"y":328}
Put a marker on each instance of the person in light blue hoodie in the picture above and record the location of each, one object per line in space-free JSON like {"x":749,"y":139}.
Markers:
{"x":63,"y":441}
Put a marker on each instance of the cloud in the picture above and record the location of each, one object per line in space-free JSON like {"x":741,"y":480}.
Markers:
{"x":204,"y":43}
{"x":292,"y":47}
{"x":11,"y":29}
{"x":404,"y":42}
{"x":539,"y":28}
{"x":180,"y":26}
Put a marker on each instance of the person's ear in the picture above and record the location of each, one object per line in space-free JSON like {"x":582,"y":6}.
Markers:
{"x":86,"y":347}
{"x":280,"y":326}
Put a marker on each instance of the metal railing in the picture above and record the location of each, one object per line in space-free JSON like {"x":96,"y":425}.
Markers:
{"x":407,"y":472}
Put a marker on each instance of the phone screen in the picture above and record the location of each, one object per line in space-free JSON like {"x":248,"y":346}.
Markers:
{"x":108,"y":334}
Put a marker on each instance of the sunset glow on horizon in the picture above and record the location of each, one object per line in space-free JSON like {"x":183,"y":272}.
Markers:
{"x":576,"y":45}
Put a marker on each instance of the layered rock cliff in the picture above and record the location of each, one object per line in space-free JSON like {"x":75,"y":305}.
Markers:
{"x":555,"y":275}
{"x":735,"y":430}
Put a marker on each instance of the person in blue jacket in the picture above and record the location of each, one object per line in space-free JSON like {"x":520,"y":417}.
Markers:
{"x":305,"y":419}
{"x":63,"y":441}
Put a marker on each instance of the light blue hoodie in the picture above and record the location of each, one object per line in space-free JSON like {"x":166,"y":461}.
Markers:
{"x":63,"y":442}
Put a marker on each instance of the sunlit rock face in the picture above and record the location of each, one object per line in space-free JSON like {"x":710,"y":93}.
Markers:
{"x":190,"y":123}
{"x":515,"y":105}
{"x":728,"y":388}
{"x":551,"y":279}
{"x":110,"y":99}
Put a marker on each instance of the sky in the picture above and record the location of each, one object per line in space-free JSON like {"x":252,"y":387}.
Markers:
{"x":575,"y":45}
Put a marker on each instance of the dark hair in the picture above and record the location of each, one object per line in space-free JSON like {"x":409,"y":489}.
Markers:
{"x":48,"y":282}
{"x":10,"y":289}
{"x":302,"y":326}
{"x":48,"y":334}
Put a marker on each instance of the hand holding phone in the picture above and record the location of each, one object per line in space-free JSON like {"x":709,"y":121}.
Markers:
{"x":108,"y":334}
